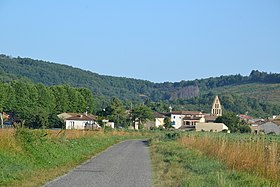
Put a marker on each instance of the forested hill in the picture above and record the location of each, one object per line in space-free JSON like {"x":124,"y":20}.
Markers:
{"x":124,"y":88}
{"x":55,"y":74}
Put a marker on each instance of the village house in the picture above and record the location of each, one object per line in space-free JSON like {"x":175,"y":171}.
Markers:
{"x":156,"y":123}
{"x":267,"y":128}
{"x":246,"y":118}
{"x":79,"y":121}
{"x":159,"y":119}
{"x":186,"y":119}
{"x":211,"y":127}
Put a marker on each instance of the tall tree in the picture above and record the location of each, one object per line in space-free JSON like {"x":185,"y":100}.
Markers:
{"x":46,"y":99}
{"x":116,"y":112}
{"x":61,"y":98}
{"x":142,"y":113}
{"x":88,"y":99}
{"x":233,"y":122}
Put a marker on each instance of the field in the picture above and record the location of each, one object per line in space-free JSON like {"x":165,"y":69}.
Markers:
{"x":32,"y":157}
{"x":211,"y":159}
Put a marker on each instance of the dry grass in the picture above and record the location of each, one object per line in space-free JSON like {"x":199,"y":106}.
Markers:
{"x":258,"y":157}
{"x":7,"y":140}
{"x":73,"y":134}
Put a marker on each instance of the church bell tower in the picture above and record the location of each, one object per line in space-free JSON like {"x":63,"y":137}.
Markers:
{"x":216,"y":107}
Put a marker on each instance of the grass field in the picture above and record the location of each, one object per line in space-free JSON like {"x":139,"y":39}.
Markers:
{"x":211,"y":159}
{"x":32,"y":157}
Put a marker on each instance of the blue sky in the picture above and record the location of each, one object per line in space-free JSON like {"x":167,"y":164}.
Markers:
{"x":156,"y":40}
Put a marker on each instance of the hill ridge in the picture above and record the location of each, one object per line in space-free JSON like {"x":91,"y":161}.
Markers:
{"x":50,"y":73}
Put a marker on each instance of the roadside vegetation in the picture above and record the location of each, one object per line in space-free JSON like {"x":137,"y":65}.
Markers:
{"x":211,"y":159}
{"x":32,"y":157}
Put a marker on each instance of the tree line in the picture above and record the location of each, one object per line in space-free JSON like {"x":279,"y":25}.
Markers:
{"x":37,"y":105}
{"x":123,"y":88}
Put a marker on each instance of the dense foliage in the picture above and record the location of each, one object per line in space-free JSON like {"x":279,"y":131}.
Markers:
{"x":231,"y":102}
{"x":233,"y":123}
{"x":123,"y":88}
{"x":37,"y":106}
{"x":190,"y":95}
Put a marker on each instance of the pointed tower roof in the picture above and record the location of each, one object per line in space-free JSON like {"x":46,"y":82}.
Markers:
{"x":216,"y":107}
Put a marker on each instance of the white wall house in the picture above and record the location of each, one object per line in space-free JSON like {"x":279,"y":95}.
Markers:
{"x":177,"y":119}
{"x":79,"y":121}
{"x":159,"y":119}
{"x":213,"y":127}
{"x":186,"y":118}
{"x":159,"y":122}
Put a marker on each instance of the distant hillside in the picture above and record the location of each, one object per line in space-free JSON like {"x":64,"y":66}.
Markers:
{"x":123,"y":88}
{"x":260,"y":87}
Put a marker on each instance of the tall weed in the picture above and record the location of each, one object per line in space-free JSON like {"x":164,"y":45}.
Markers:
{"x":252,"y":154}
{"x":174,"y":165}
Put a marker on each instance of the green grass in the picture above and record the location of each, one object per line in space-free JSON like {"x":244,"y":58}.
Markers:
{"x":40,"y":157}
{"x":174,"y":165}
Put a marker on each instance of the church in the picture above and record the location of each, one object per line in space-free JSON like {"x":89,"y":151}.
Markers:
{"x":216,"y":107}
{"x":189,"y":119}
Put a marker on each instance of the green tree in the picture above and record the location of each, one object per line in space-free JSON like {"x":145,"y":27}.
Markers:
{"x":10,"y":101}
{"x":61,"y":98}
{"x":229,"y":119}
{"x":88,"y":99}
{"x":116,"y":112}
{"x":233,"y":122}
{"x":22,"y":96}
{"x":142,"y":113}
{"x":167,"y":123}
{"x":46,"y":99}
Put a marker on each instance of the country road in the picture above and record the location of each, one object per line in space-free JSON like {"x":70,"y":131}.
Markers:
{"x":124,"y":164}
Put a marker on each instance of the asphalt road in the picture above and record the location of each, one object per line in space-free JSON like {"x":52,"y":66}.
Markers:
{"x":124,"y":164}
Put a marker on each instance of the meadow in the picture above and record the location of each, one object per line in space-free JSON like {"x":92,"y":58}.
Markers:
{"x":32,"y":157}
{"x":215,"y":159}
